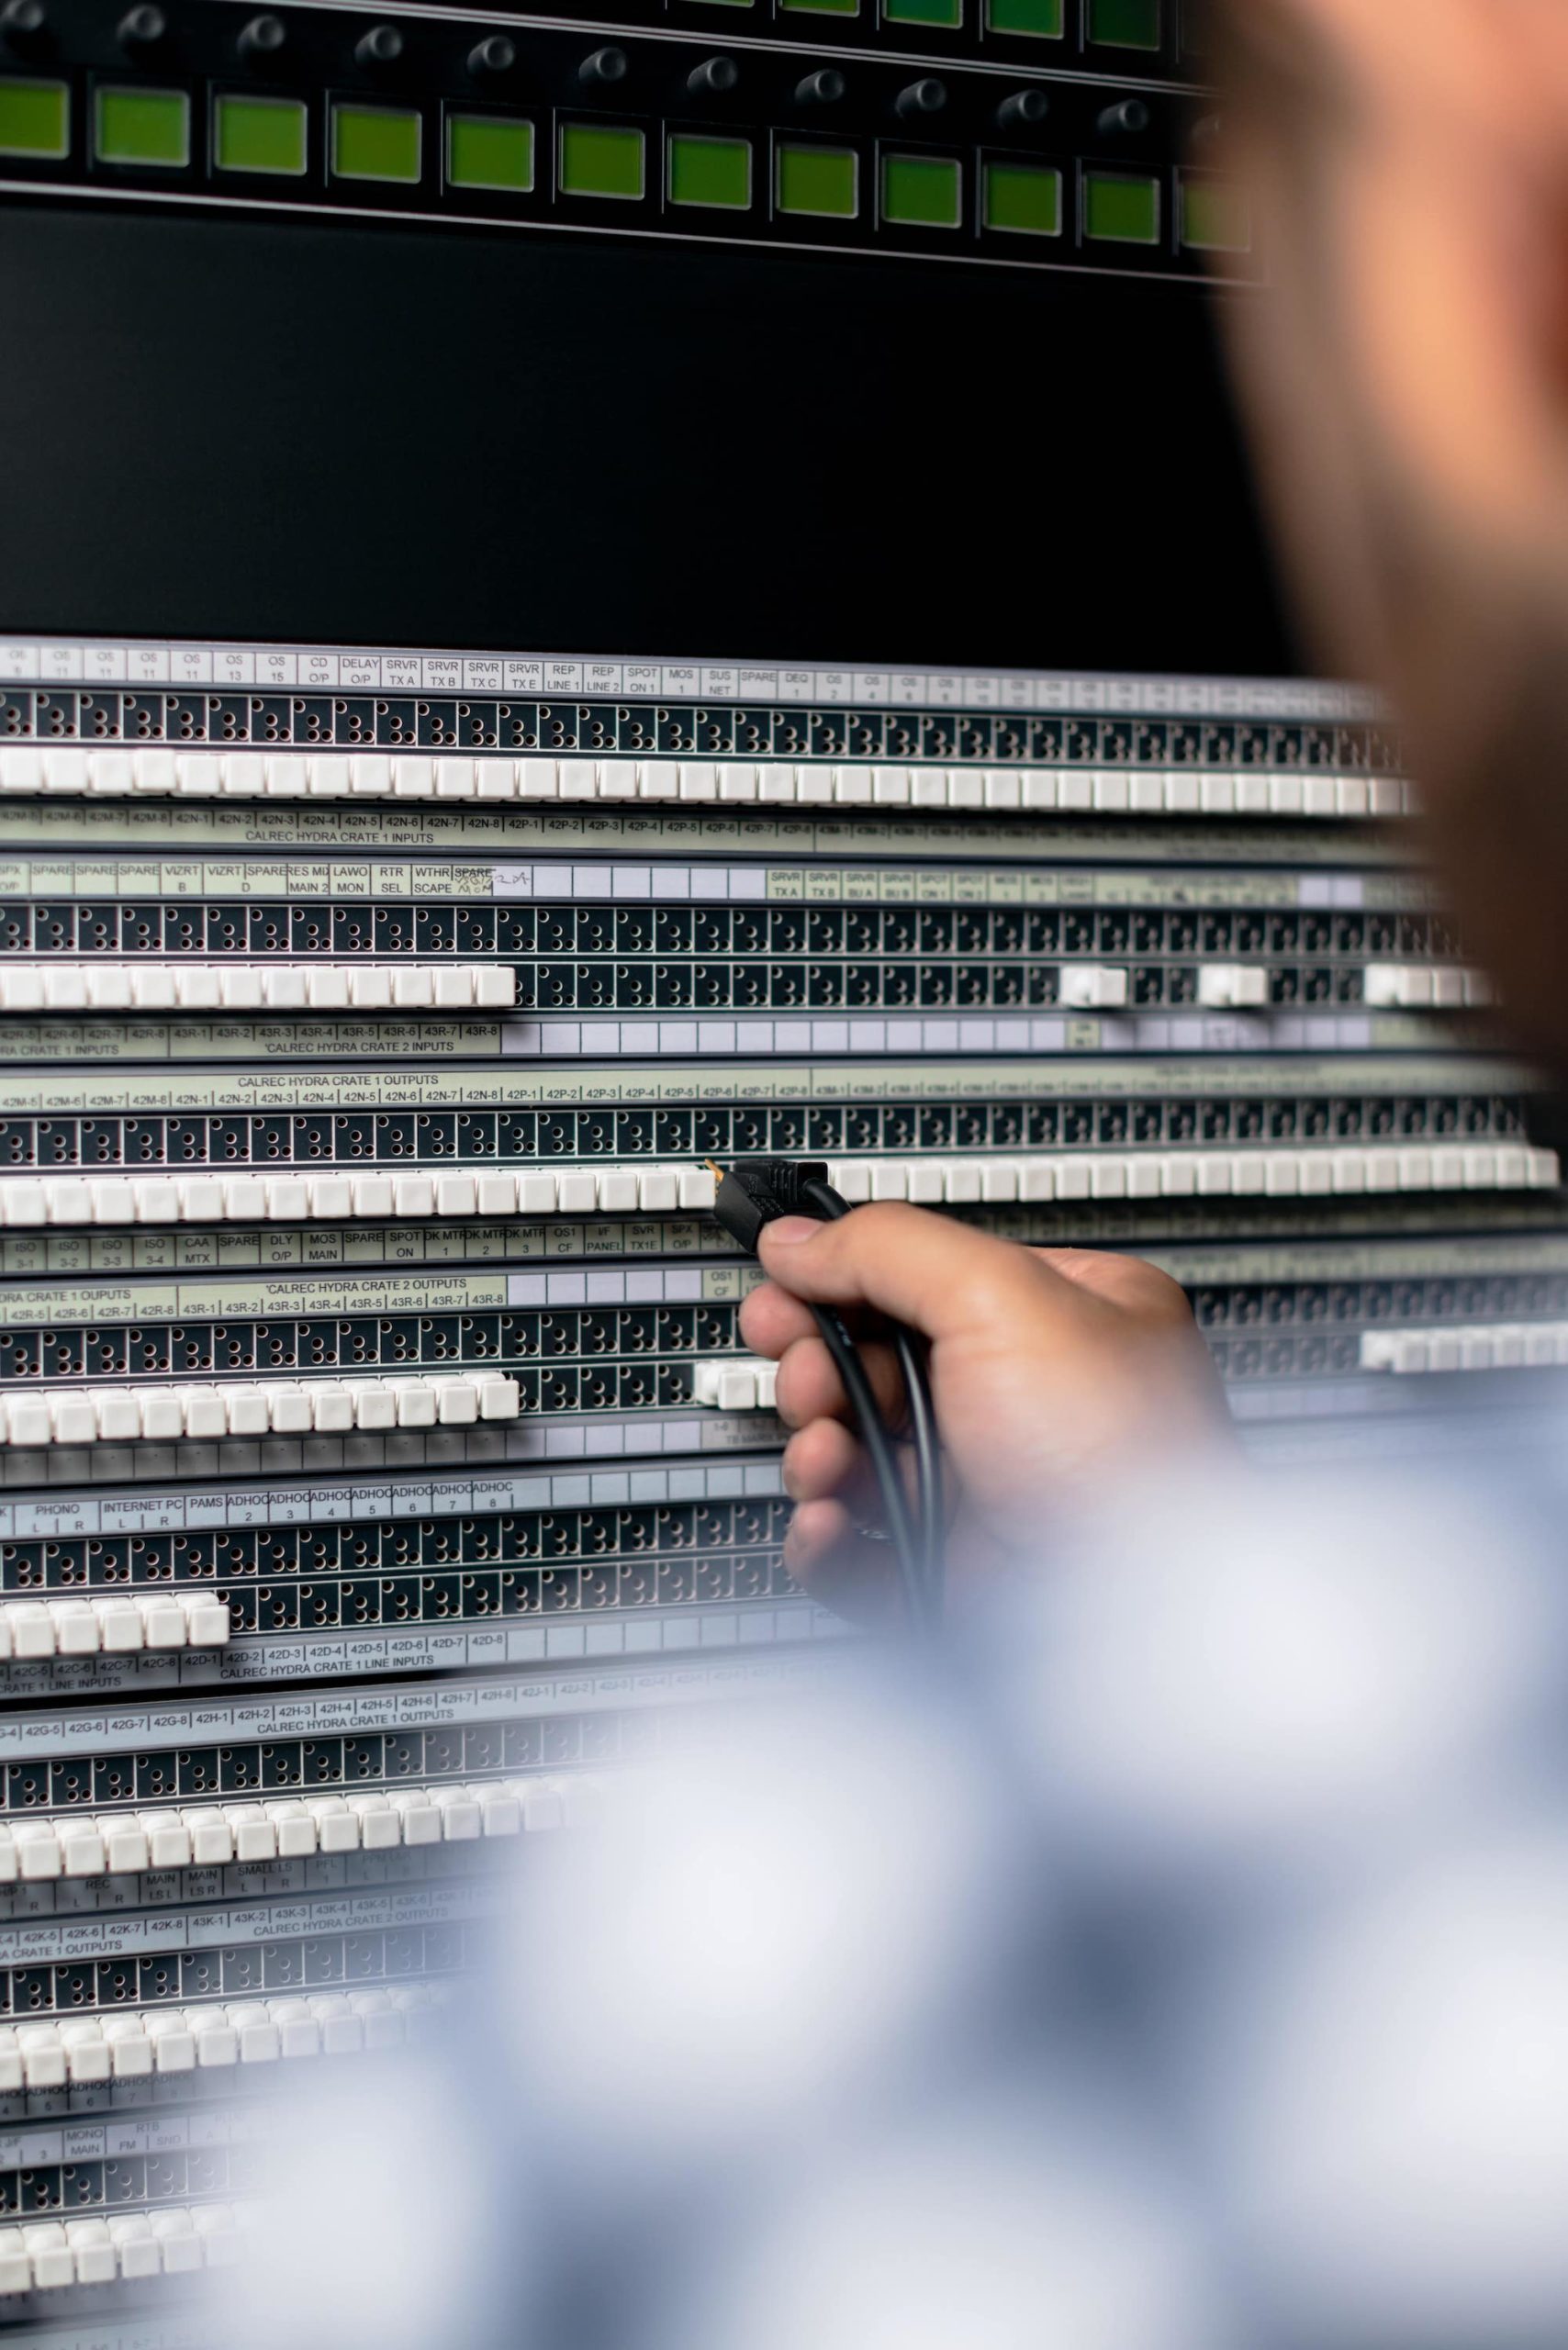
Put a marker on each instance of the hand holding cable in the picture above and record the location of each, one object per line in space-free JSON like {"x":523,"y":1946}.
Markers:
{"x":1052,"y":1371}
{"x":751,"y":1195}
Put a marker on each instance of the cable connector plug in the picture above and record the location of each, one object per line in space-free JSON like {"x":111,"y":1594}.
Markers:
{"x":755,"y":1191}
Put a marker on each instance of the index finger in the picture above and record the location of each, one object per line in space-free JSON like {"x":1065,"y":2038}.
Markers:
{"x":924,"y":1269}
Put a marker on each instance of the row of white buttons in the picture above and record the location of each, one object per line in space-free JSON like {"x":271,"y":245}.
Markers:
{"x":745,"y":1387}
{"x":282,"y":1827}
{"x":1092,"y":987}
{"x":1413,"y":985}
{"x":731,"y":1386}
{"x":256,"y":987}
{"x":337,"y":775}
{"x":1232,"y":986}
{"x":26,"y":1202}
{"x":117,"y":1626}
{"x":252,"y":1407}
{"x":1469,"y":1346}
{"x":133,"y":2044}
{"x":1104,"y":987}
{"x":45,"y":2255}
{"x":1145,"y":1175}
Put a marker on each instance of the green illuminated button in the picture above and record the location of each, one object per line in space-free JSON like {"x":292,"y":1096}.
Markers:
{"x":1120,"y":209}
{"x":1216,"y":216}
{"x":710,"y":171}
{"x":144,"y":127}
{"x":1124,"y":24}
{"x":820,"y":180}
{"x":490,"y":151}
{"x":258,"y":134}
{"x":376,"y":143}
{"x":922,"y":12}
{"x":1025,"y":197}
{"x":598,"y":159}
{"x":35,"y":119}
{"x":1034,"y":19}
{"x":824,"y":7}
{"x":920,"y":192}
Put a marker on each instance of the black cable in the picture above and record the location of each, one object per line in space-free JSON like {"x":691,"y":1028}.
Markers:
{"x":907,"y":1541}
{"x":754,"y":1192}
{"x":913,"y":1363}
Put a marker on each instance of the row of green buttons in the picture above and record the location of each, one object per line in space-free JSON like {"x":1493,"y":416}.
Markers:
{"x":926,"y":192}
{"x":1112,"y":24}
{"x":152,"y":128}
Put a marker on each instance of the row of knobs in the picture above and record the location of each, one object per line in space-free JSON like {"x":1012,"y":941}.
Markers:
{"x":144,"y":27}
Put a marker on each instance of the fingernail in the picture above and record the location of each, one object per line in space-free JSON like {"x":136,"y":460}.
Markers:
{"x":789,"y":1229}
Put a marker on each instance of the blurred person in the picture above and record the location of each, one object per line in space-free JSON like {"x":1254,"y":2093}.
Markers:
{"x":1180,"y":1962}
{"x":1407,"y":382}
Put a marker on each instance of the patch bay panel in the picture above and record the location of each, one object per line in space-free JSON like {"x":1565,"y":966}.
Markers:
{"x":176,"y":2240}
{"x":601,"y":1435}
{"x":1478,"y":1164}
{"x":241,"y":1408}
{"x":142,"y":986}
{"x":571,"y":1122}
{"x":133,"y":2045}
{"x":107,"y":1202}
{"x":1069,"y":727}
{"x":380,"y":1463}
{"x":1318,"y":1312}
{"x":185,"y":1790}
{"x":250,"y":1040}
{"x":49,"y":770}
{"x":43,"y":2188}
{"x":208,"y":2132}
{"x":506,"y":1344}
{"x":712,"y":984}
{"x":290,"y":1596}
{"x":399,"y":1622}
{"x":572,"y":1360}
{"x":381,"y":1467}
{"x":567,"y":1714}
{"x":653,"y":1584}
{"x":210,"y":916}
{"x":171,"y":1958}
{"x":59,"y":1910}
{"x":201,"y":1836}
{"x":127,"y":1622}
{"x":445,"y":1533}
{"x":1467,"y":1346}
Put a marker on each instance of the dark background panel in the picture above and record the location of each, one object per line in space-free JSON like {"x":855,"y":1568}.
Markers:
{"x":247,"y":428}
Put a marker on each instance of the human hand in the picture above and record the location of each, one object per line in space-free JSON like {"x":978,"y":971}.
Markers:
{"x":1052,"y":1371}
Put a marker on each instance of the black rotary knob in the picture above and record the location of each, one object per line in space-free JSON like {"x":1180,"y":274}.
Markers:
{"x":142,"y":28}
{"x":603,"y":65}
{"x":22,"y":25}
{"x":823,"y":88}
{"x":1127,"y":116}
{"x":263,"y":36}
{"x":382,"y":45}
{"x":928,"y":95}
{"x":714,"y":78}
{"x":495,"y":54}
{"x":1024,"y":110}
